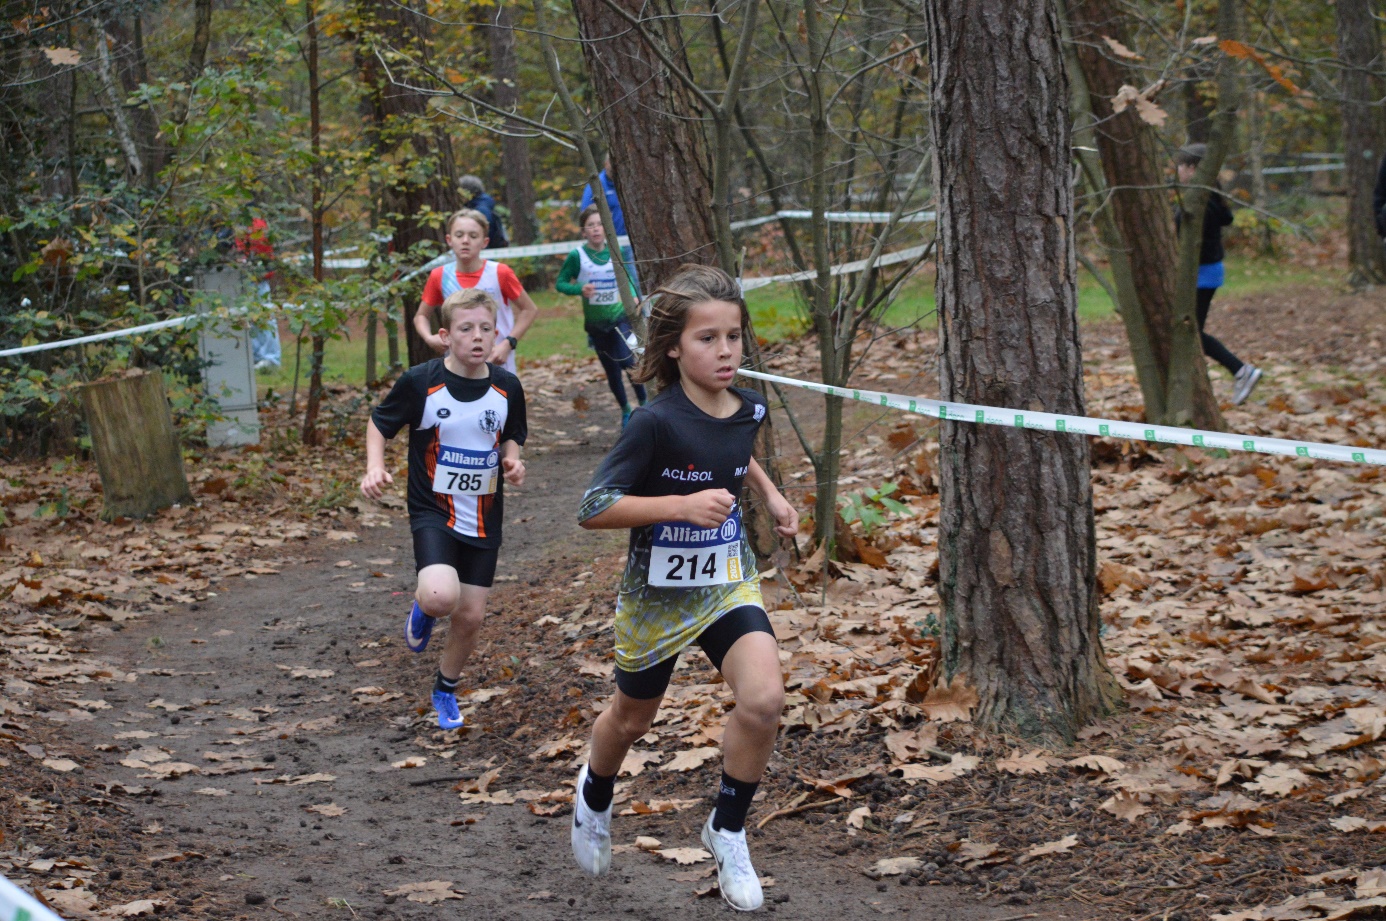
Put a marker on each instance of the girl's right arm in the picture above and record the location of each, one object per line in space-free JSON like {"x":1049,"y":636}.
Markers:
{"x":376,"y":474}
{"x":568,"y":275}
{"x":706,"y":509}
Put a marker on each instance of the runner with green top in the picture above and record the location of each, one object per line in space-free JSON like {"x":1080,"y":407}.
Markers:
{"x":589,"y":273}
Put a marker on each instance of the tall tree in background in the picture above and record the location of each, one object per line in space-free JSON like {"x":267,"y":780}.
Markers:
{"x":422,"y":191}
{"x":515,"y":160}
{"x":1016,"y":546}
{"x":1134,"y":171}
{"x":654,"y":134}
{"x":1364,"y":135}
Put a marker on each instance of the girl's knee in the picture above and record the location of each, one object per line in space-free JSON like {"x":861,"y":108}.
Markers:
{"x":762,"y":705}
{"x":630,"y":722}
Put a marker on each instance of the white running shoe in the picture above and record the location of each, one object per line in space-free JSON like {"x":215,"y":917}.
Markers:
{"x":591,"y":832}
{"x":735,"y":876}
{"x":1246,"y":380}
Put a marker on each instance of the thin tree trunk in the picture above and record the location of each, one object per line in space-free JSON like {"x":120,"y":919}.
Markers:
{"x":310,"y":414}
{"x":1016,"y":540}
{"x":391,"y":108}
{"x":372,"y":327}
{"x":197,"y":57}
{"x":519,"y":173}
{"x":1188,"y":392}
{"x":655,"y":137}
{"x":1256,"y":166}
{"x":1132,"y":166}
{"x":115,"y":104}
{"x":1364,"y":140}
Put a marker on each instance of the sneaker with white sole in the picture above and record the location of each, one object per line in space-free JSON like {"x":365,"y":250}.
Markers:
{"x":418,"y":627}
{"x":449,"y":717}
{"x":735,"y":876}
{"x":1246,"y":380}
{"x":591,"y":832}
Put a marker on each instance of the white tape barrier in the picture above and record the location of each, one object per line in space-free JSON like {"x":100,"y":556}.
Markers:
{"x":747,"y":284}
{"x":847,"y":268}
{"x":1084,"y":425}
{"x":18,"y":905}
{"x":838,"y":217}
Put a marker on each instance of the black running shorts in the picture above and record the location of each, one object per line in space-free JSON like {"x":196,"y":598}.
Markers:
{"x":474,"y":565}
{"x":716,"y":641}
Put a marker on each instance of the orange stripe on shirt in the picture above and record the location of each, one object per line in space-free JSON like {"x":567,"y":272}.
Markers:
{"x":435,"y":388}
{"x":500,"y":391}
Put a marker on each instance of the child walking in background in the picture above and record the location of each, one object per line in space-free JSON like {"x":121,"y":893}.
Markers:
{"x":515,"y":311}
{"x":674,"y":479}
{"x":588,"y":272}
{"x":1212,"y":273}
{"x":466,"y":422}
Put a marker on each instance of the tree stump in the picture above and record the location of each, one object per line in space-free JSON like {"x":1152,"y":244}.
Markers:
{"x":136,"y":447}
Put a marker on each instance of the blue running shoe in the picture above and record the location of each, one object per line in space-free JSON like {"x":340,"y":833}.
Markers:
{"x":626,"y":413}
{"x":418,"y":627}
{"x":446,"y":705}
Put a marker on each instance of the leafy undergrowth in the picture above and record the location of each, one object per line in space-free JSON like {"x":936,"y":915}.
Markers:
{"x":1242,"y":601}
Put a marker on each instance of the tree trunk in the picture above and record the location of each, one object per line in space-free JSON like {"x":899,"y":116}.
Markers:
{"x":310,"y":414}
{"x":1016,"y":540}
{"x":1364,"y":141}
{"x":519,"y":174}
{"x":135,"y":444}
{"x":1132,"y":166}
{"x":654,"y":135}
{"x":391,"y":108}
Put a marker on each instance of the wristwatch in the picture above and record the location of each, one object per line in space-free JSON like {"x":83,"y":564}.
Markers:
{"x":514,"y":343}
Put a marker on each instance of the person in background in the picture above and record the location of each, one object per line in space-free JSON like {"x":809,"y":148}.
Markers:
{"x":1379,"y":199}
{"x":479,"y":200}
{"x":618,"y":217}
{"x":1212,"y":273}
{"x":254,"y":248}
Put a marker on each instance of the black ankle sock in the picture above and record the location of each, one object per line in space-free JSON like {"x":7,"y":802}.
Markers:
{"x":733,"y":802}
{"x":598,"y":791}
{"x":444,"y":684}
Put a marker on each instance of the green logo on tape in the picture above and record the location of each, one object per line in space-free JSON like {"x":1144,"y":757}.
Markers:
{"x":1301,"y":451}
{"x":1359,"y":457}
{"x":981,"y":416}
{"x":1149,"y":434}
{"x":943,"y":412}
{"x":856,"y":394}
{"x":1198,"y":440}
{"x":1105,"y":429}
{"x":22,"y":914}
{"x":1019,"y":421}
{"x":885,"y":400}
{"x":1248,"y":445}
{"x":1061,"y":425}
{"x":912,"y":409}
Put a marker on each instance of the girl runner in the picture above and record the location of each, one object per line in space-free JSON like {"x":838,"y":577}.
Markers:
{"x":589,"y":273}
{"x":466,"y":422}
{"x":674,"y":478}
{"x":466,"y":237}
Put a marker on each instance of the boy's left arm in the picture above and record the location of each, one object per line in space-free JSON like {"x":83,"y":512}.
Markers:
{"x":786,"y":516}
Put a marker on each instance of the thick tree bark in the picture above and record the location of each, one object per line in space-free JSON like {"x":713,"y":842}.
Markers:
{"x":519,"y":174}
{"x":1016,"y":541}
{"x":386,"y":25}
{"x":1364,"y":140}
{"x":1133,"y":168}
{"x":661,"y":164}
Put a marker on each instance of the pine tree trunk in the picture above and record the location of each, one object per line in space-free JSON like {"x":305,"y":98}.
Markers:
{"x":660,"y":162}
{"x":1364,"y":140}
{"x":135,"y":444}
{"x":1016,"y":542}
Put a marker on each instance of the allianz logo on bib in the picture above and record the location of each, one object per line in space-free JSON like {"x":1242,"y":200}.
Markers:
{"x":461,"y":457}
{"x":688,"y":476}
{"x":672,"y":533}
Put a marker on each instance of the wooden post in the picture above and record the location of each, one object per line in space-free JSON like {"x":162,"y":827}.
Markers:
{"x":136,"y":447}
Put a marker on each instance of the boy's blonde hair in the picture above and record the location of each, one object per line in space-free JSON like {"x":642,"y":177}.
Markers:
{"x":472,"y":213}
{"x":466,"y":299}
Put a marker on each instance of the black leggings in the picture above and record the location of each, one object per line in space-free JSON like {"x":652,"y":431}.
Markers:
{"x":1211,"y":346}
{"x":717,"y":640}
{"x":615,"y":355}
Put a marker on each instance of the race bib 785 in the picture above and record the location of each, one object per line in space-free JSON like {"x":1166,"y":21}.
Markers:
{"x":463,"y":472}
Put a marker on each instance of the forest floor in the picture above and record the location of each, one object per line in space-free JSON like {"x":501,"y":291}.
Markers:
{"x":211,"y":713}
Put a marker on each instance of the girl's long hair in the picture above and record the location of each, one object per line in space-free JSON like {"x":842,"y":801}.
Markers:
{"x":669,"y":307}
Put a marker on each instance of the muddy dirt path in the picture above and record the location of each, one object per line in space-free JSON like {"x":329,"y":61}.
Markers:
{"x":291,"y":703}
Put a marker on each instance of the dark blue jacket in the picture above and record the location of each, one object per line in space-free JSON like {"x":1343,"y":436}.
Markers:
{"x":617,"y":216}
{"x":487,"y":206}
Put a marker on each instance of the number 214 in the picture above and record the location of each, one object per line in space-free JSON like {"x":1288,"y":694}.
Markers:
{"x":677,"y":562}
